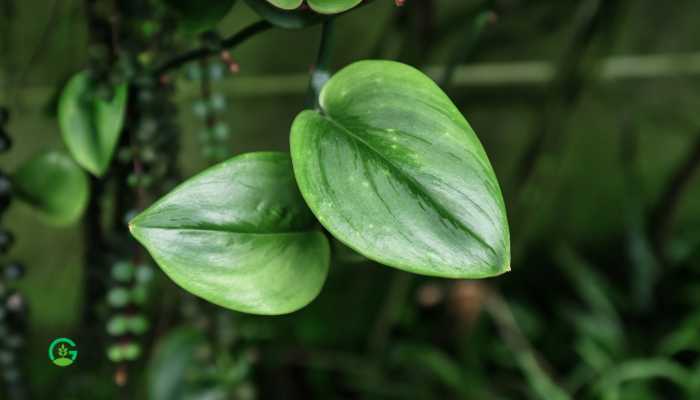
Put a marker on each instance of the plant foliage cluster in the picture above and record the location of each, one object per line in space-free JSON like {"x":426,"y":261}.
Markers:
{"x":264,"y":274}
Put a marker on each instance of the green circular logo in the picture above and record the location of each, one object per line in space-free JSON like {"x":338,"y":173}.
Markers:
{"x":63,"y":352}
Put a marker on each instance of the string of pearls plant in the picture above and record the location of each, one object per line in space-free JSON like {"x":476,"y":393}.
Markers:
{"x":13,"y":306}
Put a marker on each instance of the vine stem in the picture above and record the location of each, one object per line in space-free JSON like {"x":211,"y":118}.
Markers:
{"x":465,"y":50}
{"x":203,"y":52}
{"x":390,"y":312}
{"x":320,"y":71}
{"x":664,"y":211}
{"x":93,"y":230}
{"x":565,"y":89}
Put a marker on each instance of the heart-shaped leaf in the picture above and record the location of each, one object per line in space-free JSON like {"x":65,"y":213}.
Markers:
{"x":288,"y":19}
{"x":239,"y":235}
{"x":198,"y":16}
{"x":54,"y":185}
{"x":320,"y":6}
{"x":90,"y":125}
{"x":392,"y":169}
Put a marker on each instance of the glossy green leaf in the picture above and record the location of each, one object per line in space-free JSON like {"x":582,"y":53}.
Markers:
{"x":332,"y":6}
{"x":90,"y":125}
{"x":289,"y":19}
{"x":286,"y":4}
{"x":392,"y":169}
{"x":199,"y":16}
{"x":319,"y":6}
{"x":239,"y":235}
{"x":54,"y":185}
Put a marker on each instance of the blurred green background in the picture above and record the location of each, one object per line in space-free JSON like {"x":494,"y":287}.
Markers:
{"x":595,"y":306}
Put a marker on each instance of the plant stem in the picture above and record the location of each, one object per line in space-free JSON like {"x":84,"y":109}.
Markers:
{"x":574,"y":71}
{"x":639,"y":247}
{"x":390,"y":311}
{"x":203,"y":52}
{"x":94,"y":284}
{"x":564,"y":90}
{"x":320,"y":72}
{"x":41,"y":45}
{"x":466,"y":48}
{"x":663,"y":213}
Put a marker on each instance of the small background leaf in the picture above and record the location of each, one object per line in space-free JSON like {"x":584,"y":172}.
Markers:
{"x":90,"y":125}
{"x":54,"y":185}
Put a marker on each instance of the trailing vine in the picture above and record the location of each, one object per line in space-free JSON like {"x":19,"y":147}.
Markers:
{"x":214,"y":138}
{"x":13,"y":305}
{"x":147,"y":168}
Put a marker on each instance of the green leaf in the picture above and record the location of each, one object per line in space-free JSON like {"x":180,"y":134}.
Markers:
{"x":54,"y":185}
{"x":239,"y":235}
{"x":90,"y":125}
{"x":198,"y":16}
{"x":319,"y":6}
{"x":332,"y":6}
{"x":391,"y":168}
{"x":173,"y":357}
{"x":288,"y":19}
{"x":286,"y":4}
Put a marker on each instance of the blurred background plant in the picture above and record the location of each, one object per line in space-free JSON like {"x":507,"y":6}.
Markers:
{"x":587,"y":109}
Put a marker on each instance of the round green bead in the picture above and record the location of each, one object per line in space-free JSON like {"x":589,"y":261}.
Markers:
{"x":139,"y":294}
{"x":122,"y":271}
{"x":131,"y":351}
{"x":144,"y":273}
{"x":221,"y":131}
{"x":115,"y":353}
{"x":138,"y":324}
{"x":132,"y":180}
{"x":218,"y":102}
{"x":117,"y":325}
{"x":200,"y":108}
{"x":118,"y":297}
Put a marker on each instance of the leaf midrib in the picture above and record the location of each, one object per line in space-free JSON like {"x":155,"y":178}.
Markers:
{"x":220,"y":229}
{"x":409,"y":180}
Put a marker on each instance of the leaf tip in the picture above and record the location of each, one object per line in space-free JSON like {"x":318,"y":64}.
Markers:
{"x":132,"y":228}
